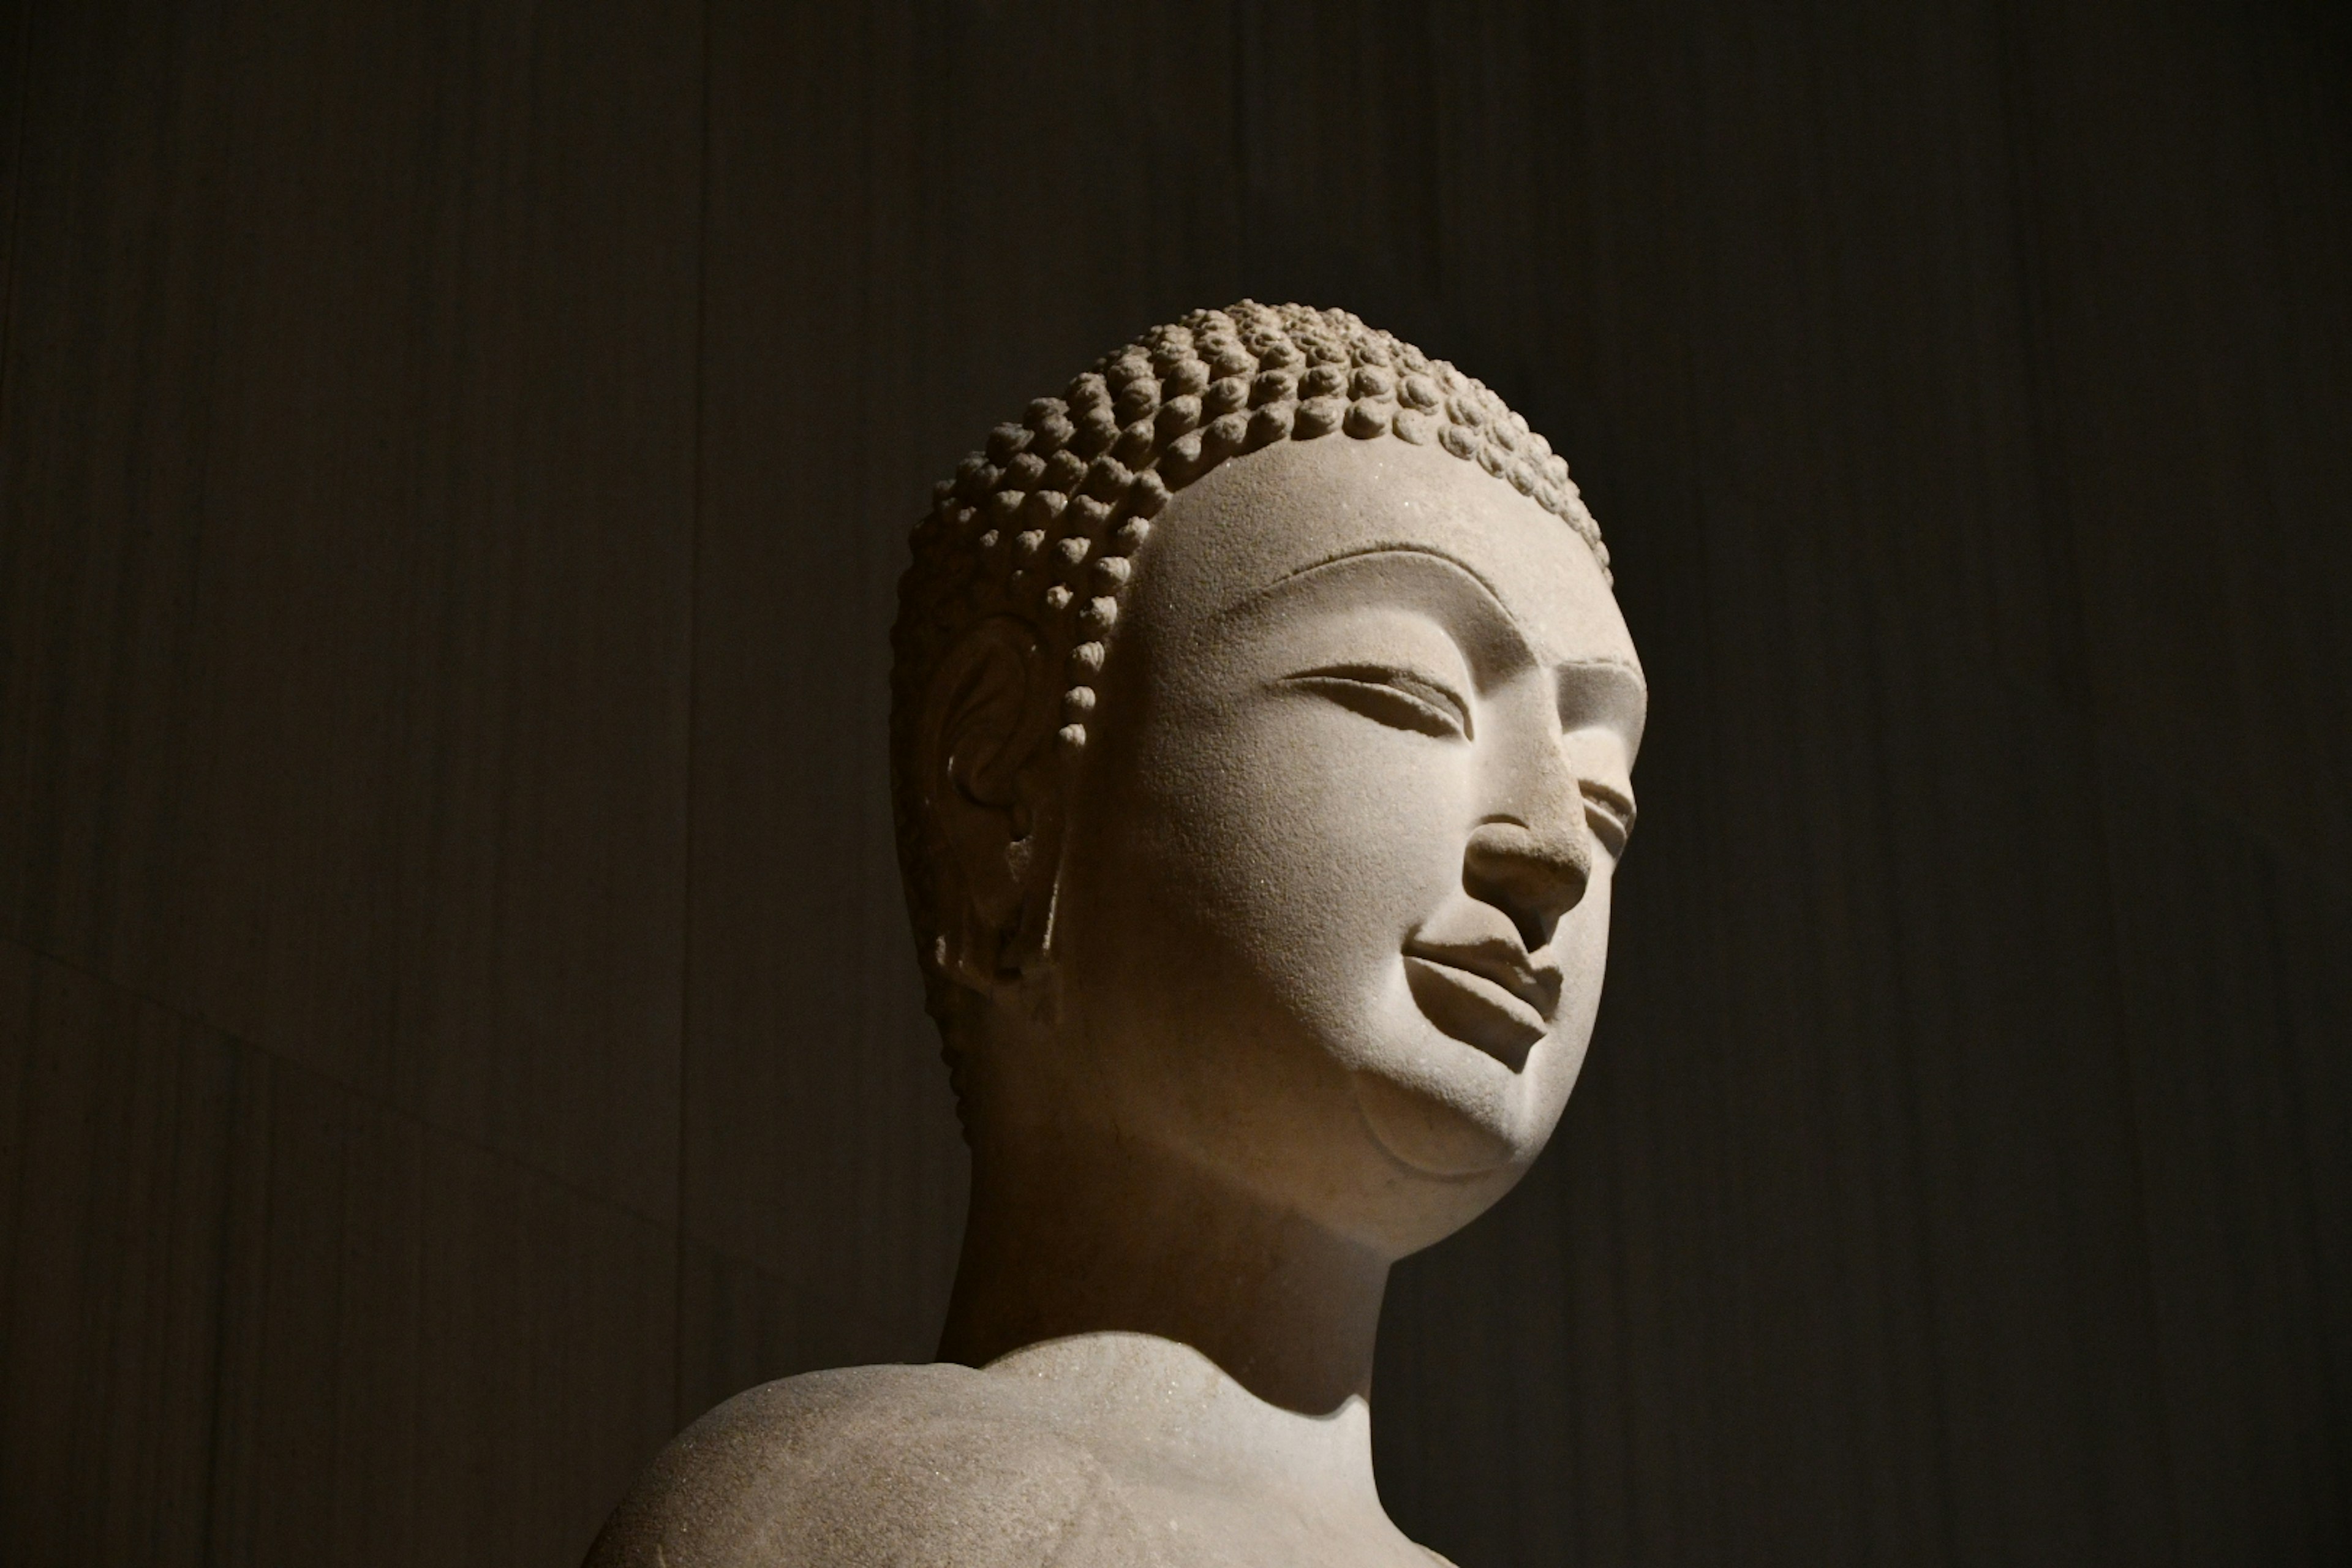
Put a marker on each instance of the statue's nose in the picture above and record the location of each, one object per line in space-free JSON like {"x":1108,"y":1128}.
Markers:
{"x":1533,"y":873}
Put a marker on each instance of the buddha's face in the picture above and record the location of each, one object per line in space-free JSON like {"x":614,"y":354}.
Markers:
{"x":1335,"y":897}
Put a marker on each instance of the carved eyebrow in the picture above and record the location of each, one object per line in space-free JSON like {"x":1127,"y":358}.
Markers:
{"x":1611,"y":686}
{"x":1603,"y":690}
{"x":1429,"y":550}
{"x":1497,"y":613}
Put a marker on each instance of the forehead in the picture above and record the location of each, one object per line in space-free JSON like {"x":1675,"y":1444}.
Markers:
{"x":1294,"y":505}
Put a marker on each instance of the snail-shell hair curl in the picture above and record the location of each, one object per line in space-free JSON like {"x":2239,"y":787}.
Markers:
{"x":1048,"y":524}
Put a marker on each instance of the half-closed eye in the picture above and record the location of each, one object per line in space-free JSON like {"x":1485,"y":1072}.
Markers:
{"x":1398,"y":698}
{"x":1610,"y":815}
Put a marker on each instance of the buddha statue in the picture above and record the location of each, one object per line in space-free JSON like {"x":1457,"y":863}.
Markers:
{"x":1263,"y":724}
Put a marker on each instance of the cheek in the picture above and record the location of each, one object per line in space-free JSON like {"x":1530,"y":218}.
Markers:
{"x":1581,"y":943}
{"x":1581,"y":946}
{"x":1299,"y":843}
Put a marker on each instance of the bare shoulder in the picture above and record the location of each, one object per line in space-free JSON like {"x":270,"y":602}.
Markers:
{"x":870,"y":1465}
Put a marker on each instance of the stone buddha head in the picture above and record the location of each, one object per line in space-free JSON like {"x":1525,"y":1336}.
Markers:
{"x":1262,"y":734}
{"x":1262,"y":729}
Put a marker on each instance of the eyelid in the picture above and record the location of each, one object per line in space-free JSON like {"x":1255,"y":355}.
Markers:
{"x":1614,"y":810}
{"x":1422,"y":690}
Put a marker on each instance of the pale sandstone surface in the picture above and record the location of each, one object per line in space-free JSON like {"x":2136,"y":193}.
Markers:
{"x":1126,"y":1451}
{"x":1262,"y":728}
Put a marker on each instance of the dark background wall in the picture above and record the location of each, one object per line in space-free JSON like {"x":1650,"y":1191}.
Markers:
{"x":456,"y":1021}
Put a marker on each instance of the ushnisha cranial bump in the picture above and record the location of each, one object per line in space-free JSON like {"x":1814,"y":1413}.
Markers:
{"x":1048,"y":519}
{"x":1048,"y":522}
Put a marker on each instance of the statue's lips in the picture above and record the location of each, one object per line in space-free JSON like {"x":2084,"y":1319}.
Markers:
{"x":1482,"y":1001}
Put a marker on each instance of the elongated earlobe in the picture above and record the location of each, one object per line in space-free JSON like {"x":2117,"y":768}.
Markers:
{"x":989,"y":725}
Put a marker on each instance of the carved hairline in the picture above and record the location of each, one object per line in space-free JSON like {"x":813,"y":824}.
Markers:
{"x":1046,"y":523}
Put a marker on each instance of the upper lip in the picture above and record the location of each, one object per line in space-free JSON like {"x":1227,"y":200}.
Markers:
{"x":1501,"y":961}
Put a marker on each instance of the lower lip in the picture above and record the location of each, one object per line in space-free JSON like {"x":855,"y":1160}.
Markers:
{"x":1474,"y":1010}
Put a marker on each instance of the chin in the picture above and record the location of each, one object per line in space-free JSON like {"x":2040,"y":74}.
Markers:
{"x":1445,"y":1100}
{"x":1433,"y":1134}
{"x":1464,"y":1128}
{"x":1444,"y":1168}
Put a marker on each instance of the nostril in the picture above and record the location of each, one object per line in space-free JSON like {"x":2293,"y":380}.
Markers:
{"x":1535,"y":931}
{"x":1533,"y":878}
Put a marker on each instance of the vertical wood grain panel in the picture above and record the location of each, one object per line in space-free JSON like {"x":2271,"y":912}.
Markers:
{"x":1861,"y":1265}
{"x":1001,"y":198}
{"x":740,"y":1325}
{"x":2238,"y":973}
{"x":431,"y":1352}
{"x":15,"y":74}
{"x":818,"y":1137}
{"x":250,"y":1317}
{"x":2188,"y":171}
{"x":117,"y":1163}
{"x":348,"y":492}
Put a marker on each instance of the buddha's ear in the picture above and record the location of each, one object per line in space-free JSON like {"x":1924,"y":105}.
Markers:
{"x":987,"y":752}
